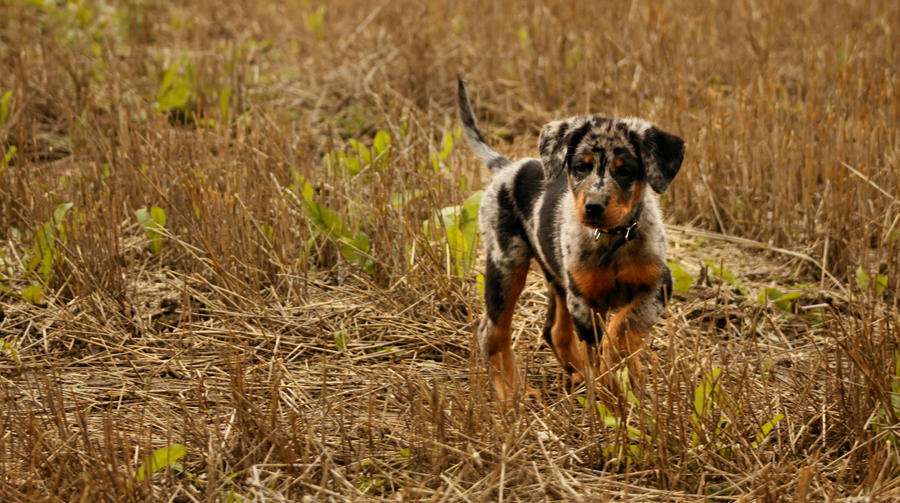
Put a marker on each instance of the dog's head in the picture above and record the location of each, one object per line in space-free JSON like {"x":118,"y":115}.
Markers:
{"x":608,"y":162}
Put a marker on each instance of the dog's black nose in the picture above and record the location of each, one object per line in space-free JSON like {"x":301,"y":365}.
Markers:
{"x":594,"y":209}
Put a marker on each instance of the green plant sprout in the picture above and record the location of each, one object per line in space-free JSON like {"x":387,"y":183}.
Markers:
{"x":781,"y":300}
{"x":4,"y":107}
{"x":460,"y":226}
{"x":178,"y":86}
{"x":153,"y":223}
{"x":353,"y":244}
{"x":159,"y":459}
{"x":438,"y":160}
{"x":727,"y":276}
{"x":867,"y":286}
{"x":315,"y":21}
{"x":707,"y":397}
{"x":224,"y":103}
{"x":45,"y":253}
{"x":681,"y":280}
{"x":7,"y":158}
{"x":6,"y":346}
{"x":360,"y":158}
{"x":341,"y":339}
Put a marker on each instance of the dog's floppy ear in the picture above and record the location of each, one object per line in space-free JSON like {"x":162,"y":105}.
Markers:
{"x":662,"y":154}
{"x":556,"y":141}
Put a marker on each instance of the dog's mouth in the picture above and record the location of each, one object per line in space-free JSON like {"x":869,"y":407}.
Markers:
{"x":598,"y":225}
{"x":612,"y":223}
{"x":604,"y":223}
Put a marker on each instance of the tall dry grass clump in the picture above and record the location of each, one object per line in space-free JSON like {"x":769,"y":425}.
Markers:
{"x":238,"y":254}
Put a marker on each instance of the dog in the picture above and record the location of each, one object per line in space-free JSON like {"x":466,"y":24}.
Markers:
{"x":587,"y":213}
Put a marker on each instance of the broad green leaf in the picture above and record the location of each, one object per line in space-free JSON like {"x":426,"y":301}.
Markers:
{"x":340,"y":340}
{"x":174,"y":99}
{"x":354,"y":166}
{"x":451,"y":215}
{"x":457,"y":243}
{"x":611,"y":421}
{"x":785,"y":302}
{"x":33,"y":294}
{"x":177,"y":86}
{"x":435,"y":163}
{"x":782,"y":300}
{"x":881,"y":282}
{"x":862,"y":279}
{"x":316,"y":22}
{"x":306,"y":190}
{"x":4,"y":107}
{"x":381,"y":142}
{"x":42,"y":255}
{"x":224,"y":102}
{"x":401,"y":199}
{"x":355,"y":248}
{"x":681,"y":280}
{"x":12,"y":351}
{"x":153,"y":222}
{"x":169,"y":77}
{"x":7,"y":158}
{"x":326,"y":220}
{"x":461,"y":230}
{"x":469,"y":224}
{"x":363,"y":156}
{"x":522,"y":33}
{"x":159,"y":459}
{"x":766,"y":429}
{"x":447,"y":144}
{"x":60,"y":213}
{"x":727,"y":276}
{"x":143,"y":217}
{"x":706,"y":393}
{"x":815,"y":317}
{"x":158,"y":215}
{"x":766,"y":295}
{"x":472,"y":204}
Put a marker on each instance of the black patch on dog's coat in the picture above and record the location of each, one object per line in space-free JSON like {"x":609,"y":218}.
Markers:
{"x":547,"y":232}
{"x":510,"y":224}
{"x":494,"y":290}
{"x":528,"y":184}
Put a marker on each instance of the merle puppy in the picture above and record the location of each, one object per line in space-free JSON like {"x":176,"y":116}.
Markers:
{"x":587,"y":212}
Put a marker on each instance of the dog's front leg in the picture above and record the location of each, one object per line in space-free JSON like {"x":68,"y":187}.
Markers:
{"x":590,"y":336}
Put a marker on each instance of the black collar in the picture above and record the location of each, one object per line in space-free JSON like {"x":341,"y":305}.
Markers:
{"x":626,"y":233}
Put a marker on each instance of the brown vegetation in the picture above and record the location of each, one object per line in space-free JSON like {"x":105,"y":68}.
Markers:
{"x":304,"y":329}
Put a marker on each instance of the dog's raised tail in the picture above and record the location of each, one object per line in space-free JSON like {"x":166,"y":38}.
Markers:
{"x":490,"y":157}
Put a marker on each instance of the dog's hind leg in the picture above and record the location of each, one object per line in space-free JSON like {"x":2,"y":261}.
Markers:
{"x":560,"y":335}
{"x":503,"y":283}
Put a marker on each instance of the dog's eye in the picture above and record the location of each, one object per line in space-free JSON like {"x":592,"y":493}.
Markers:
{"x":588,"y":159}
{"x":581,"y":168}
{"x":625,"y":166}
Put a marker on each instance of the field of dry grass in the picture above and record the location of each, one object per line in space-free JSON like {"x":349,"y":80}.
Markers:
{"x":236,"y":263}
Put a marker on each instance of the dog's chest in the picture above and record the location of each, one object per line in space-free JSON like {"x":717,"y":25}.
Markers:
{"x":613,"y":286}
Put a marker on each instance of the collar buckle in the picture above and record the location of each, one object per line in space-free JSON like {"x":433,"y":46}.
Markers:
{"x":628,"y":232}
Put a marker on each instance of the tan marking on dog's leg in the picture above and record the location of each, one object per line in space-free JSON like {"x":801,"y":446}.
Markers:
{"x":566,"y":346}
{"x":624,"y":342}
{"x":497,"y":344}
